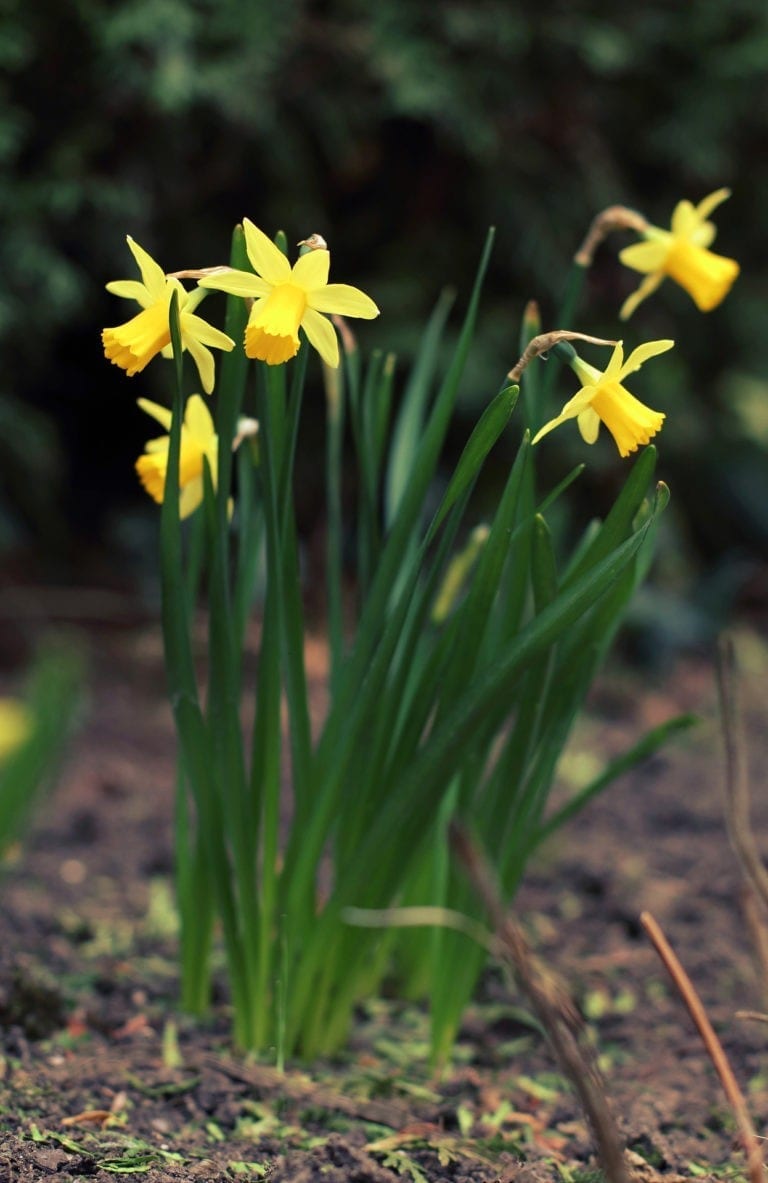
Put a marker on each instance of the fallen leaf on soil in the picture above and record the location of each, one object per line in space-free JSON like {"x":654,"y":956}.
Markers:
{"x":417,"y":1131}
{"x":98,"y":1117}
{"x":138,"y":1025}
{"x":447,"y":1146}
{"x":77,"y":1025}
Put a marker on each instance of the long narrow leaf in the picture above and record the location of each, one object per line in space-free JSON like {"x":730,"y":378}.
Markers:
{"x":487,"y":431}
{"x":642,"y":750}
{"x":410,"y":421}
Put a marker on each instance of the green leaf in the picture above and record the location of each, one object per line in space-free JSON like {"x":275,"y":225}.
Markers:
{"x":412,"y":801}
{"x":618,"y":523}
{"x":642,"y":750}
{"x":543,"y":565}
{"x":486,"y":432}
{"x":410,"y":420}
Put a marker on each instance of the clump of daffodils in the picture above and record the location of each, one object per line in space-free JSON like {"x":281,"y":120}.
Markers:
{"x":284,"y":299}
{"x":433,"y":664}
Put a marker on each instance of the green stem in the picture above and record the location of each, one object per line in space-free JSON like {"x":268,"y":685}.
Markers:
{"x":190,"y":724}
{"x":267,"y":738}
{"x":334,"y":437}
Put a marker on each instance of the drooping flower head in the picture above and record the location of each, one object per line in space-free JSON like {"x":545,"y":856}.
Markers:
{"x":199,"y":442}
{"x":603,"y":399}
{"x":682,"y":254}
{"x":133,"y":345}
{"x":289,"y":298}
{"x":15,"y":726}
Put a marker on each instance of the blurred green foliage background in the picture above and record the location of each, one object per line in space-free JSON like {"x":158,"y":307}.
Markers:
{"x":400,"y":130}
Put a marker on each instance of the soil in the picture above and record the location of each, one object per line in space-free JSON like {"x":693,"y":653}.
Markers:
{"x":101,"y":1076}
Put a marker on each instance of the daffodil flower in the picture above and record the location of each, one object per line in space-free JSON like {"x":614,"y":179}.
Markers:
{"x":199,"y":442}
{"x":289,"y":298}
{"x":603,"y":399}
{"x":133,"y":345}
{"x":681,"y":253}
{"x":15,"y":726}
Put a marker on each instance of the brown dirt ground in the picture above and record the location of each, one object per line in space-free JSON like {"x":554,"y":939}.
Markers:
{"x":87,"y":979}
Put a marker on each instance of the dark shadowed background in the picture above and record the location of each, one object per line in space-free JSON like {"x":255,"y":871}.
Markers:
{"x":399,"y":130}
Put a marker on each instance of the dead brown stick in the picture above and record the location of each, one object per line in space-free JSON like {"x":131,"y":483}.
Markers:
{"x":552,"y":1006}
{"x":737,"y":806}
{"x":737,"y":802}
{"x":616,"y":217}
{"x":717,"y":1055}
{"x":753,"y":1016}
{"x":758,"y":935}
{"x":546,"y":341}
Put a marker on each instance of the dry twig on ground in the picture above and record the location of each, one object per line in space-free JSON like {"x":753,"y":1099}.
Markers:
{"x":553,"y":1008}
{"x":737,"y":806}
{"x":714,"y":1048}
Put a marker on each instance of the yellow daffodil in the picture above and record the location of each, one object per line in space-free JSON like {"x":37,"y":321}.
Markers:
{"x":198,"y":442}
{"x":681,"y":253}
{"x":289,"y":298}
{"x":15,"y":726}
{"x":602,"y":398}
{"x":133,"y":345}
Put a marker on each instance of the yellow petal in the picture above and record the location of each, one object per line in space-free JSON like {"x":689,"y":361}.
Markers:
{"x":589,"y":425}
{"x":198,"y":421}
{"x":639,"y":356}
{"x":203,"y":359}
{"x":310,"y":271}
{"x":268,"y":260}
{"x":647,"y":287}
{"x":616,"y":362}
{"x":195,"y":326}
{"x":708,"y":204}
{"x":343,"y":300}
{"x":322,"y":336}
{"x":151,"y":272}
{"x":161,"y":414}
{"x":131,"y":289}
{"x":193,"y":298}
{"x":553,"y":423}
{"x":237,"y":283}
{"x":645,"y":256}
{"x":685,"y":219}
{"x":212,"y":458}
{"x":704,"y":234}
{"x":190,"y":497}
{"x":572,"y":409}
